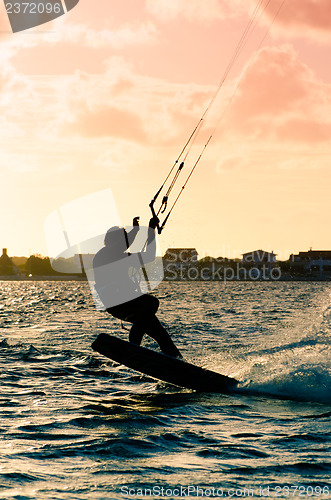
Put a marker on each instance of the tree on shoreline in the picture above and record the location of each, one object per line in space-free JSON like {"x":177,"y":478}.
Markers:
{"x":39,"y":266}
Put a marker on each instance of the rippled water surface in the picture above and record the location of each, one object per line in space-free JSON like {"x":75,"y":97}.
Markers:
{"x":75,"y":425}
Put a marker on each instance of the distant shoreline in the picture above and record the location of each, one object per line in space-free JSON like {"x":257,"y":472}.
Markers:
{"x":83,"y":278}
{"x":43,"y":278}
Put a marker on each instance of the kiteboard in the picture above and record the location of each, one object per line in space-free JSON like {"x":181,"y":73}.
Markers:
{"x":162,"y":367}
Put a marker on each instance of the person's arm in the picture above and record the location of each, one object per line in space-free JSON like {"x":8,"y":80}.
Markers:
{"x":133,"y":233}
{"x":149,"y":254}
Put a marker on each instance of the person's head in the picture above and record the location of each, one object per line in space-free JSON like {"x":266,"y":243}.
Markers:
{"x":116,"y":239}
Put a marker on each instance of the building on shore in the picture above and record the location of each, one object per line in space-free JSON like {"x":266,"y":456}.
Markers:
{"x":314,"y":262}
{"x":261,"y":264}
{"x":178,"y":261}
{"x":7,"y":267}
{"x":181,"y":256}
{"x":259,"y":257}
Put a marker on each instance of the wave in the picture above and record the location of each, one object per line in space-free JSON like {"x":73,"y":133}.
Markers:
{"x":306,"y":384}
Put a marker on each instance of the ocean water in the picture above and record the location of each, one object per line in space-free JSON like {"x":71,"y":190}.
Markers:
{"x":75,"y":425}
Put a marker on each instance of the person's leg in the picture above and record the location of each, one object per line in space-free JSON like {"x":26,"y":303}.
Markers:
{"x":141,"y":313}
{"x":154,"y":329}
{"x":136,"y":309}
{"x":136,"y":333}
{"x":135,"y":312}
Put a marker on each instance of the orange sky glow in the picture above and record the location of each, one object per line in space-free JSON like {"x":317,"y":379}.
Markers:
{"x":107,"y":95}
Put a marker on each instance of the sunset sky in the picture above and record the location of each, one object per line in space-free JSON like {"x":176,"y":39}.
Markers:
{"x":107,"y":95}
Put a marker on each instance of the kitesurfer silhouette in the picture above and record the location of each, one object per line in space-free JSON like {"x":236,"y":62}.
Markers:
{"x":121,"y":294}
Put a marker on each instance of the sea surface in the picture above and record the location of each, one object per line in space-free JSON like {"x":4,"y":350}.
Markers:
{"x":74,"y":425}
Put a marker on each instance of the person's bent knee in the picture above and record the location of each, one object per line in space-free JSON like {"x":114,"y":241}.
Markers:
{"x":150,"y":304}
{"x":154,"y":303}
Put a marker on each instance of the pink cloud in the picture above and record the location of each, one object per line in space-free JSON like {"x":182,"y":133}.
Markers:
{"x":298,"y":17}
{"x":305,"y":131}
{"x":275,"y":82}
{"x":122,"y":36}
{"x":107,"y":121}
{"x":193,"y":10}
{"x":124,"y":104}
{"x":299,"y":14}
{"x":281,"y":97}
